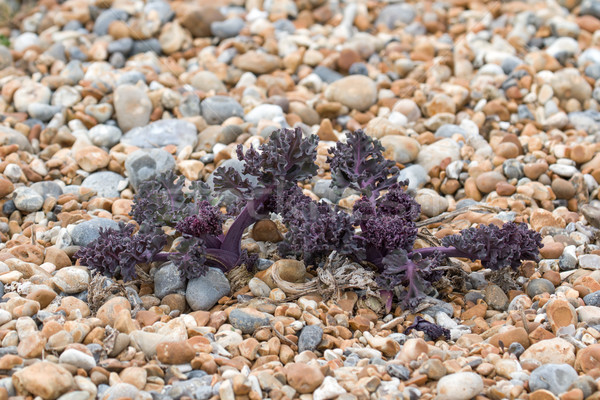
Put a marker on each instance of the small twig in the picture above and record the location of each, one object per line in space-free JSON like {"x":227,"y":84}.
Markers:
{"x":447,"y":216}
{"x":278,"y":334}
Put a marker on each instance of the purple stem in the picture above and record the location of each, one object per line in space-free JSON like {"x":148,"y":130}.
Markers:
{"x":447,"y":251}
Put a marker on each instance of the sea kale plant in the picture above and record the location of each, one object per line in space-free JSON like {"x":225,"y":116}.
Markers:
{"x":184,"y":223}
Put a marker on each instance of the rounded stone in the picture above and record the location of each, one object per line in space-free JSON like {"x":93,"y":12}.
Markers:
{"x":202,"y":293}
{"x":459,"y":386}
{"x":539,"y":286}
{"x":216,"y":109}
{"x":357,"y":92}
{"x":248,"y":319}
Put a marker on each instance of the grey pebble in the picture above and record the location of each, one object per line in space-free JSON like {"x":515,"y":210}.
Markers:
{"x":556,"y":378}
{"x":310,"y":337}
{"x":217,"y":109}
{"x":104,"y":183}
{"x":247,"y":319}
{"x":539,"y":286}
{"x":27,"y":199}
{"x":88,"y":231}
{"x":202,"y":293}
{"x":146,"y":164}
{"x":161,"y":133}
{"x":168,"y":280}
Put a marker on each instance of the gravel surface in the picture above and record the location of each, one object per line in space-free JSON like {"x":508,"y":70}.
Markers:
{"x":479,"y":102}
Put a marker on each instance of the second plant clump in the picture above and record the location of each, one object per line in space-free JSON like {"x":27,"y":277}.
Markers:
{"x":379,"y":232}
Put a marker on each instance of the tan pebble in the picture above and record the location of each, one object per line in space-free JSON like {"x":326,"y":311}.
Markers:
{"x":509,"y":336}
{"x":121,"y":207}
{"x":92,"y":158}
{"x":44,"y":379}
{"x":563,"y":189}
{"x":74,"y":307}
{"x":32,"y":346}
{"x":507,"y":150}
{"x":505,"y":189}
{"x":303,"y":377}
{"x":534,"y":170}
{"x":326,"y":132}
{"x":277,"y":294}
{"x":135,"y":376}
{"x":57,"y":256}
{"x":588,"y":358}
{"x":108,"y":311}
{"x":175,"y":352}
{"x":552,"y":250}
{"x":42,"y":296}
{"x":540,"y":218}
{"x":6,"y":187}
{"x":266,"y":231}
{"x":551,"y":351}
{"x":9,"y":361}
{"x":486,"y":182}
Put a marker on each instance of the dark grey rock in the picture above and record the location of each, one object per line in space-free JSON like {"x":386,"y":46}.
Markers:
{"x":510,"y":63}
{"x":229,"y":28}
{"x":398,"y":371}
{"x":144,"y":46}
{"x":592,"y":299}
{"x":593,"y":71}
{"x":284,"y":25}
{"x":88,"y":231}
{"x":190,"y":106}
{"x":117,"y":60}
{"x":75,"y":54}
{"x":310,"y":337}
{"x":161,"y":133}
{"x":217,"y":109}
{"x":513,"y":169}
{"x":395,"y":15}
{"x":327,"y":75}
{"x":556,"y":378}
{"x":568,"y":259}
{"x":247,"y":319}
{"x":130,"y":78}
{"x":28,"y":200}
{"x":105,"y":135}
{"x":358,"y":68}
{"x":516,"y":348}
{"x":72,"y":25}
{"x":11,"y":136}
{"x":123,"y":46}
{"x":202,"y":293}
{"x":539,"y":286}
{"x":106,"y":18}
{"x":104,"y":183}
{"x":524,"y":113}
{"x":323,"y":190}
{"x":586,"y":384}
{"x":146,"y":164}
{"x":168,"y":280}
{"x":47,"y":189}
{"x":590,"y":7}
{"x":189,"y":388}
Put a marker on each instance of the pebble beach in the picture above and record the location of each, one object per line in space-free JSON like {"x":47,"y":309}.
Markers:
{"x":491,"y":109}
